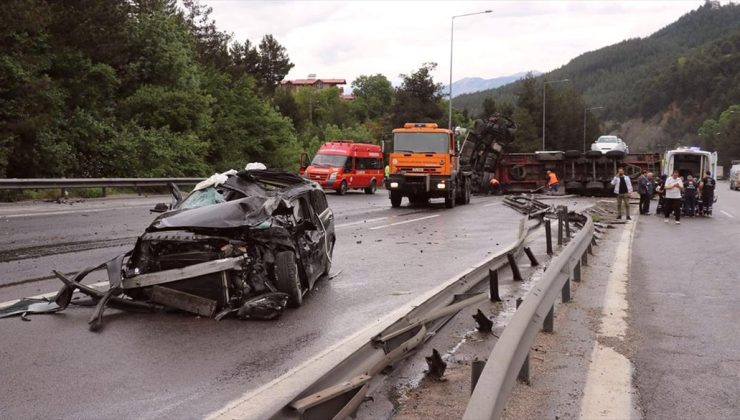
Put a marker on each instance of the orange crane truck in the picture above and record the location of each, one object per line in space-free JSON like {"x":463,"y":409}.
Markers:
{"x":424,"y":164}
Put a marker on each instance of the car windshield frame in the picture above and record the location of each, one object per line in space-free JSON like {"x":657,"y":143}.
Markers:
{"x":207,"y":196}
{"x":329,"y":160}
{"x":610,"y":140}
{"x":421,"y":142}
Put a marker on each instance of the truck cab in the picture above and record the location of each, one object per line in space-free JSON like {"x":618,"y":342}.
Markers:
{"x":424,"y":164}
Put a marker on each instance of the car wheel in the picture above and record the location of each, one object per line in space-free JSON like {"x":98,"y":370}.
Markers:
{"x":342,"y":188}
{"x":396,"y":198}
{"x":450,"y":200}
{"x":287,"y":279}
{"x":371,"y":189}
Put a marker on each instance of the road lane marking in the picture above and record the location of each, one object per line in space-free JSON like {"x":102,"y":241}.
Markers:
{"x":49,"y":295}
{"x":492,"y":204}
{"x":727,"y":214}
{"x":609,"y":392}
{"x":342,"y":225}
{"x":404,"y":222}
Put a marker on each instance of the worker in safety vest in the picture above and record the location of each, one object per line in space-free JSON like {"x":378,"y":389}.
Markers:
{"x":494,"y":187}
{"x":552,"y":182}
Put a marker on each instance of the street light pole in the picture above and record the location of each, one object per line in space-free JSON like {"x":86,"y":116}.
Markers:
{"x":584,"y":124}
{"x":452,"y":34}
{"x":544,"y":96}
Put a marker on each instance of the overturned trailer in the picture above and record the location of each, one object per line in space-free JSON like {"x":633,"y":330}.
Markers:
{"x":247,"y":243}
{"x":588,"y":173}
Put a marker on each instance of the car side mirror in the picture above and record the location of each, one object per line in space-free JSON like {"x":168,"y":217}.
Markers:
{"x":159,"y":208}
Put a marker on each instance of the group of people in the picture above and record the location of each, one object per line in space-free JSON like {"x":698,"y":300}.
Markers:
{"x":676,"y":194}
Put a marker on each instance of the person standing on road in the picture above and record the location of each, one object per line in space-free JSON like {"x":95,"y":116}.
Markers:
{"x":645,"y":187}
{"x":622,"y":188}
{"x":689,"y":195}
{"x":673,"y":188}
{"x":706,"y":187}
{"x":552,"y":182}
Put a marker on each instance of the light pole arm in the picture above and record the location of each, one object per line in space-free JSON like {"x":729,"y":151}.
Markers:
{"x":452,"y":35}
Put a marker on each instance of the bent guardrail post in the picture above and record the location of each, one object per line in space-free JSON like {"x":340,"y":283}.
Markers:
{"x":475,"y":371}
{"x":509,"y":358}
{"x":493,"y":285}
{"x":514,"y":267}
{"x":566,"y":220}
{"x":532,"y":259}
{"x":560,"y":227}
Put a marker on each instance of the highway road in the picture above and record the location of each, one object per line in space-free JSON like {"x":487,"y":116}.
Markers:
{"x":181,"y":366}
{"x":685,"y":313}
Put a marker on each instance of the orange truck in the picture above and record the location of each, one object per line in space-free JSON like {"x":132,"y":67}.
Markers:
{"x":424,"y":164}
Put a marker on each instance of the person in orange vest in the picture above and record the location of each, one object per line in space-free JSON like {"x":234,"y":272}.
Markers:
{"x":552,"y":182}
{"x":494,"y":187}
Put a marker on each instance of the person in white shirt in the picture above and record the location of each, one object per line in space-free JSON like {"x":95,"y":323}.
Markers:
{"x":673,"y":188}
{"x":622,"y":188}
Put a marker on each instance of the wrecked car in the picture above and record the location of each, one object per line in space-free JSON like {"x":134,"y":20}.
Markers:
{"x":247,"y":243}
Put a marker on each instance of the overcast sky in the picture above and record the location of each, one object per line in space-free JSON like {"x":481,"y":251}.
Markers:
{"x":345,"y":39}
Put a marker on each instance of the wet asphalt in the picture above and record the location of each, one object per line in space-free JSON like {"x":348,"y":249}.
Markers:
{"x":181,"y":366}
{"x":685,"y":313}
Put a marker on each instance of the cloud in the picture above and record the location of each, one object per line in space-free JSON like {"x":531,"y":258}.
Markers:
{"x":347,"y":39}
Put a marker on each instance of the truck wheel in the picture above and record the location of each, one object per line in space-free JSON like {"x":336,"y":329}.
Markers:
{"x":396,"y":199}
{"x":371,"y":189}
{"x":287,"y":279}
{"x":450,"y":200}
{"x":342,"y":188}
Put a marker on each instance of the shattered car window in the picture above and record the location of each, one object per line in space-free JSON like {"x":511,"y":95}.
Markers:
{"x":205,"y":197}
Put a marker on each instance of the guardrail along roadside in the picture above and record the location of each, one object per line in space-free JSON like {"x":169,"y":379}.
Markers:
{"x":335,"y":383}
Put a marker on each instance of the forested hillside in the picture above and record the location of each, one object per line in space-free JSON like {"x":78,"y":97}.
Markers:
{"x":141,"y":88}
{"x":674,"y":79}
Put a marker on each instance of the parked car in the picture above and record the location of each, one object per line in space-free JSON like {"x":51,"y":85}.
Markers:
{"x":247,"y":243}
{"x":605,"y":144}
{"x":735,"y":177}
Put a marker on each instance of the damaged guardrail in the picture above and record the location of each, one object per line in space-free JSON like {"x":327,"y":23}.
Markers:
{"x":64,"y":183}
{"x":335,"y":383}
{"x":509,"y":359}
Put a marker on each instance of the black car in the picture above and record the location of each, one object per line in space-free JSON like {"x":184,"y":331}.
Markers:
{"x":248,"y":243}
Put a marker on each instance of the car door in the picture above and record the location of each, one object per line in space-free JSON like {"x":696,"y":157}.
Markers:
{"x":311,"y":239}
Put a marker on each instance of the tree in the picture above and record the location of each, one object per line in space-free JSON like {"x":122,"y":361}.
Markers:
{"x":418,"y":98}
{"x":245,"y":59}
{"x":161,"y":53}
{"x":274,"y":64}
{"x":373,"y":96}
{"x":212,"y":45}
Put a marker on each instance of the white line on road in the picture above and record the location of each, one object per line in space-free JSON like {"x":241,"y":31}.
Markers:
{"x":342,"y":225}
{"x":609,"y":393}
{"x":404,"y":222}
{"x":492,"y":204}
{"x":4,"y":305}
{"x":727,"y":214}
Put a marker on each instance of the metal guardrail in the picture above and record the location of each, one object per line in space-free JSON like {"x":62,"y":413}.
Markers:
{"x":509,"y":359}
{"x":334,"y":383}
{"x":64,"y":183}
